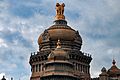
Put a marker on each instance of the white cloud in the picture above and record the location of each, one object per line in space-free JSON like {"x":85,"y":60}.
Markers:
{"x":2,"y":43}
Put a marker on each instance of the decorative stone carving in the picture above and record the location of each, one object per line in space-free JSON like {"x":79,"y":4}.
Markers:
{"x":60,"y":9}
{"x":45,"y":36}
{"x":77,"y":35}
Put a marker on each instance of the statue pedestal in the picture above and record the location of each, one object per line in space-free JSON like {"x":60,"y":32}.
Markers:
{"x":59,"y":17}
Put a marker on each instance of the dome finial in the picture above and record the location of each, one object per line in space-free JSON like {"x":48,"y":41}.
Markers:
{"x":113,"y":62}
{"x":60,"y":11}
{"x":58,"y":44}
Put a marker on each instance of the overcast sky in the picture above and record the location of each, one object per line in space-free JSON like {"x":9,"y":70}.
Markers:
{"x":22,"y":21}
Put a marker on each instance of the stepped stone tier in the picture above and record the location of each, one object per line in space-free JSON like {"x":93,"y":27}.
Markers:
{"x":60,"y":56}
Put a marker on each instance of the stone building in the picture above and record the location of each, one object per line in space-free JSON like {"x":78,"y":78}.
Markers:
{"x":111,"y":74}
{"x":60,"y":56}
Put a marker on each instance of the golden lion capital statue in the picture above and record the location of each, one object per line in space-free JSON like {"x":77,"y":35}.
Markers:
{"x":60,"y":11}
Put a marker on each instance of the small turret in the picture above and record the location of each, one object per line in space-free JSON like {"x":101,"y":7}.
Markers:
{"x":103,"y":75}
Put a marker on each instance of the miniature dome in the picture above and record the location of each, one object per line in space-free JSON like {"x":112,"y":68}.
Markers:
{"x":104,"y":72}
{"x":114,"y":70}
{"x":58,"y":53}
{"x":103,"y":69}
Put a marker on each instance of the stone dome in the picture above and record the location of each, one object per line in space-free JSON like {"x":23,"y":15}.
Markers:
{"x":114,"y":70}
{"x":60,"y":30}
{"x":58,"y":53}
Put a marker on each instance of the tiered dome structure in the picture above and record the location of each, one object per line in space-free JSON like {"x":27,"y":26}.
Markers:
{"x":47,"y":62}
{"x":58,"y":67}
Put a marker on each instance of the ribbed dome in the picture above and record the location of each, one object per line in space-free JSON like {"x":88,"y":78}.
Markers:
{"x":59,"y":33}
{"x":114,"y":71}
{"x":60,"y":30}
